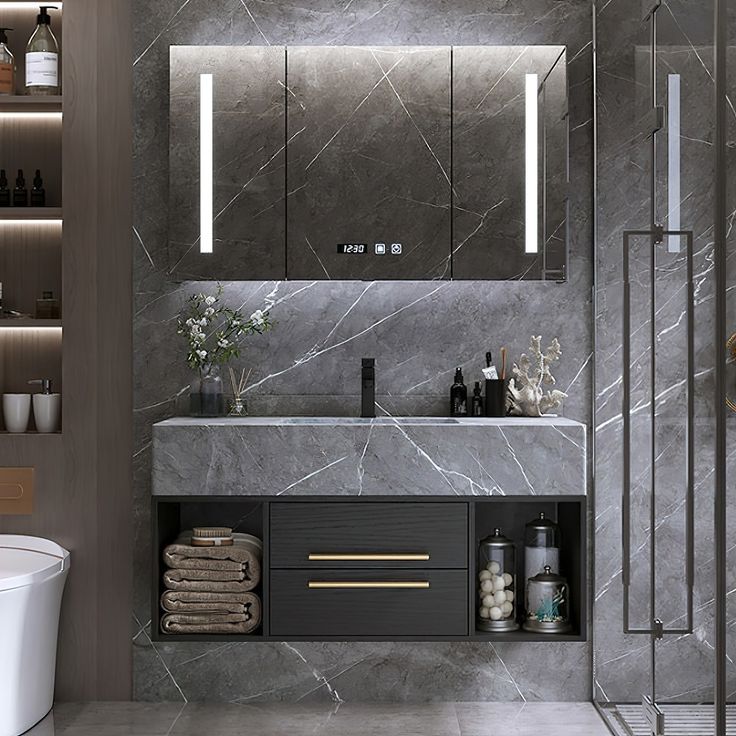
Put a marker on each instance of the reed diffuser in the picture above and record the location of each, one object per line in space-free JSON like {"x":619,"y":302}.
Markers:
{"x":238,"y":407}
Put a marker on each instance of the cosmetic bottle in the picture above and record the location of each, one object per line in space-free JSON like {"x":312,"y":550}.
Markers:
{"x":46,"y":407}
{"x":38,"y":193}
{"x":47,"y":307}
{"x":42,"y":57}
{"x":4,"y":191}
{"x":20,"y":193}
{"x":458,"y":396}
{"x":477,"y":401}
{"x":7,"y":65}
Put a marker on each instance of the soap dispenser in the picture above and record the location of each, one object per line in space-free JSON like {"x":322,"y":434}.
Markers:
{"x":46,"y":407}
{"x":38,"y":193}
{"x":7,"y":65}
{"x":42,"y":57}
{"x":458,"y":395}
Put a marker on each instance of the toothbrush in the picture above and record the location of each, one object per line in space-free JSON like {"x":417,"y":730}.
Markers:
{"x":489,"y":372}
{"x":503,"y":364}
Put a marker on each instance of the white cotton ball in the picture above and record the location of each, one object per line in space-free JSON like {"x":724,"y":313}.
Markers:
{"x":507,"y":609}
{"x":487,"y":586}
{"x":494,"y":567}
{"x":484,"y":575}
{"x":499,"y":597}
{"x":495,"y":613}
{"x":507,"y":579}
{"x":509,"y":595}
{"x":498,"y":583}
{"x":488,"y":601}
{"x":484,"y":612}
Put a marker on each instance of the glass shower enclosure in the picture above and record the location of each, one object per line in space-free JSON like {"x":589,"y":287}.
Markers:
{"x":665,"y":202}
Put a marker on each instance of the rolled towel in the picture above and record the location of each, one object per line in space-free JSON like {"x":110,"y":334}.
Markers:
{"x":243,"y":555}
{"x":213,"y":623}
{"x":182,"y":601}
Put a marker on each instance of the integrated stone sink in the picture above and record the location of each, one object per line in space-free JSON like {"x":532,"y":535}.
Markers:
{"x":267,"y":456}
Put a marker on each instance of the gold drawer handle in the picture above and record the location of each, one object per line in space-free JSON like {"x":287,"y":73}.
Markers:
{"x":408,"y":584}
{"x":370,"y":557}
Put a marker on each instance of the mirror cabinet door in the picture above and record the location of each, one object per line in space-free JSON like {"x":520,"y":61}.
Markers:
{"x":368,"y":163}
{"x":509,"y":143}
{"x":351,"y":163}
{"x":248,"y":118}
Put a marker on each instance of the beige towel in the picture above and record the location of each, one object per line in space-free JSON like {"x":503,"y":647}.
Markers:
{"x":214,"y":623}
{"x":180,"y":576}
{"x":241,"y":556}
{"x":173,"y":601}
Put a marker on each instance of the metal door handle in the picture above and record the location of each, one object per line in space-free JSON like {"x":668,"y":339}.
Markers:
{"x":370,"y":557}
{"x":656,"y":237}
{"x":358,"y":585}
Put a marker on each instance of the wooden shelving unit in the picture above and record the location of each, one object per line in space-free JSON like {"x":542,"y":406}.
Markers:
{"x":31,"y":252}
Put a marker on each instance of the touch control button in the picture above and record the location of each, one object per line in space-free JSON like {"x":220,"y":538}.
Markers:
{"x":396,"y":249}
{"x":380,"y":249}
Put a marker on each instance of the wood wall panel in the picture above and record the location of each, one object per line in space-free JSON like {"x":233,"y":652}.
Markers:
{"x":83,"y":491}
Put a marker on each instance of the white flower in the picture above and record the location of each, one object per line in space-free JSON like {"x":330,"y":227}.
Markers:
{"x":202,"y":354}
{"x":209,"y":312}
{"x":222,"y":343}
{"x":209,"y":301}
{"x":257,"y":318}
{"x":189,"y":322}
{"x":203,"y":322}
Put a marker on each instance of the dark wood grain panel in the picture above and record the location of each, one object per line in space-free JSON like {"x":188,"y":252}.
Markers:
{"x":439,"y":610}
{"x":301,"y":529}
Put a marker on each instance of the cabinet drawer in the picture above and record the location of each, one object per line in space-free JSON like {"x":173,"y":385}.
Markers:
{"x":399,"y":534}
{"x":356,"y":603}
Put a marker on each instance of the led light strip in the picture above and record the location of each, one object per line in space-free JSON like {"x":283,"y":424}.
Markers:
{"x":532,"y":164}
{"x":205,"y":163}
{"x":673,"y":161}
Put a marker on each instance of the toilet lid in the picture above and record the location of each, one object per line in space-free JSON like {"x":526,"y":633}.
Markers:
{"x":21,"y":563}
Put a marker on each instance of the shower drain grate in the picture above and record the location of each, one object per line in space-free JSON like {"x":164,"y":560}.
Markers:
{"x":679,"y":720}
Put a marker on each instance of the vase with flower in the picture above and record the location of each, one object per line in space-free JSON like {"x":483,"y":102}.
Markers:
{"x":214,"y":333}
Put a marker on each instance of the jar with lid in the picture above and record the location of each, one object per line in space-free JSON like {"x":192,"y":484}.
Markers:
{"x":547,"y":603}
{"x":541,"y":546}
{"x":497,"y":584}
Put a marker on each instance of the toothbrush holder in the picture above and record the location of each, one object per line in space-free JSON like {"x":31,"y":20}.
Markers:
{"x":496,"y":398}
{"x":16,"y":412}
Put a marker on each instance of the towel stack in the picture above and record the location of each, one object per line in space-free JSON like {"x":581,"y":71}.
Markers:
{"x":209,"y":590}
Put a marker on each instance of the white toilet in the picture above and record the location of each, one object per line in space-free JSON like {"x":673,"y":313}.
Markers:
{"x":32,"y":576}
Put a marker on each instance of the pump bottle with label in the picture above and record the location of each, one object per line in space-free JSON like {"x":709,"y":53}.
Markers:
{"x":7,"y":65}
{"x":42,"y":57}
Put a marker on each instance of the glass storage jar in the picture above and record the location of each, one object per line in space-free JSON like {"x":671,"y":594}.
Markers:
{"x":541,"y":547}
{"x":547,"y":603}
{"x":497,"y":584}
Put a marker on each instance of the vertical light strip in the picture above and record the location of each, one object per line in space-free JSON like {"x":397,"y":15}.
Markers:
{"x":205,"y":163}
{"x":673,"y":161}
{"x":532,"y":165}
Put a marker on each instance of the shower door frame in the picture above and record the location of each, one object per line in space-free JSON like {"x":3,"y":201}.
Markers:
{"x":655,"y":233}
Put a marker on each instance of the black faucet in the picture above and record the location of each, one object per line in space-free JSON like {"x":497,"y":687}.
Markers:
{"x":368,"y":388}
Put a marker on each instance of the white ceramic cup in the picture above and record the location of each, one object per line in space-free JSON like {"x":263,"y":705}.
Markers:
{"x":16,"y":411}
{"x":47,"y":412}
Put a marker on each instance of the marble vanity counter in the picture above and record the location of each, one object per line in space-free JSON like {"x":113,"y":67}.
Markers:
{"x":267,"y":456}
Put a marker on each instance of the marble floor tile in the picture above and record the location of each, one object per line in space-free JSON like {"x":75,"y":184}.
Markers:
{"x":349,"y":719}
{"x":525,"y":719}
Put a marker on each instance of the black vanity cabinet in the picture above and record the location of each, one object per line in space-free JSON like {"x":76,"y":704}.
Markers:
{"x":369,"y":569}
{"x":380,"y":568}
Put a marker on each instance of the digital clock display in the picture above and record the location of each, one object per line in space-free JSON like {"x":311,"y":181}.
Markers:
{"x":355,"y":248}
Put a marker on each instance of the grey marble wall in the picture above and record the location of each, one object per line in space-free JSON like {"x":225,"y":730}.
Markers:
{"x":417,"y":331}
{"x":684,"y":664}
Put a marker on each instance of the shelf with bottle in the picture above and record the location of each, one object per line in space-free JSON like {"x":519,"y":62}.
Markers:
{"x":23,"y":214}
{"x":32,"y":104}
